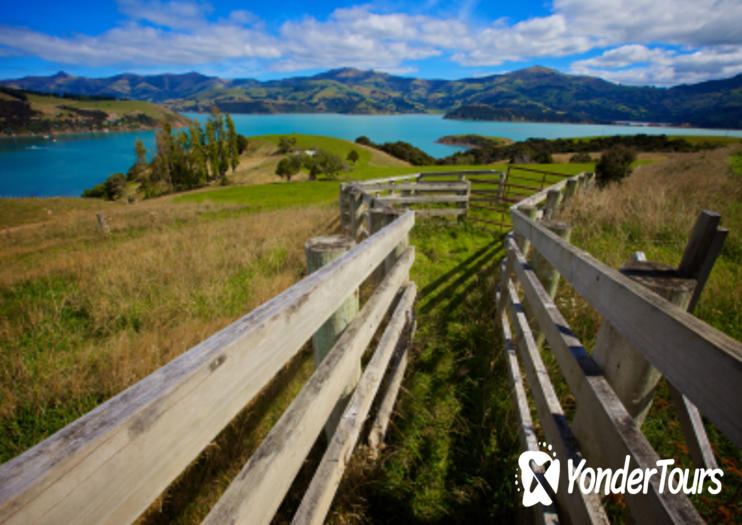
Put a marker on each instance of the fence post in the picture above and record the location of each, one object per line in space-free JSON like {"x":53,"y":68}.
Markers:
{"x":102,"y":224}
{"x":465,"y":205}
{"x":569,"y":191}
{"x":580,"y":183}
{"x":501,"y":184}
{"x":319,"y":252}
{"x":632,"y":377}
{"x":589,"y":180}
{"x":378,"y":219}
{"x":356,"y":213}
{"x":548,"y":276}
{"x":523,"y":243}
{"x":345,"y":217}
{"x":553,"y":199}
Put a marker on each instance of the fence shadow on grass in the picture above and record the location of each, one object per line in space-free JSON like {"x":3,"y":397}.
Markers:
{"x":452,"y":447}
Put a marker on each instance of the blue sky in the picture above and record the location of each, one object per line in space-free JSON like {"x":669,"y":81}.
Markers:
{"x":638,"y":42}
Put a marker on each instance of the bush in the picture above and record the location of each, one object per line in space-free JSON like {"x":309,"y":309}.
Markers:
{"x":614,"y":165}
{"x":286,"y":144}
{"x":289,"y":166}
{"x":112,"y":188}
{"x":365,"y":141}
{"x":543,"y":157}
{"x":241,"y":144}
{"x":96,"y":192}
{"x":581,"y":157}
{"x":407,"y":152}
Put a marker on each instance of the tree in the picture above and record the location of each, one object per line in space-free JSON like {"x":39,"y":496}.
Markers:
{"x":614,"y":165}
{"x":286,"y":144}
{"x":199,"y":155}
{"x":543,"y":157}
{"x":140,"y":164}
{"x":329,"y":163}
{"x":365,"y":141}
{"x":222,"y":147}
{"x":232,"y":147}
{"x":114,"y":187}
{"x":162,"y":163}
{"x":581,"y":157}
{"x":323,"y":162}
{"x":289,"y":166}
{"x":212,"y":148}
{"x":241,"y":144}
{"x":352,"y":156}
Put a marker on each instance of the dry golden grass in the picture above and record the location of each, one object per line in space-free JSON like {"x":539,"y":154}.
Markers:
{"x":654,"y":211}
{"x":84,"y":315}
{"x":563,"y":158}
{"x":658,"y":204}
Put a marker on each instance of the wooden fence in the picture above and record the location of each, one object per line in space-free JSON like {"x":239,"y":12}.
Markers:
{"x":482,"y":196}
{"x":111,"y":464}
{"x":640,"y":328}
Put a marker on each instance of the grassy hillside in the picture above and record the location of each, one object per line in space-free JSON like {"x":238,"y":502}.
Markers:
{"x":83,"y":315}
{"x":654,"y":211}
{"x":535,"y":94}
{"x":22,"y":112}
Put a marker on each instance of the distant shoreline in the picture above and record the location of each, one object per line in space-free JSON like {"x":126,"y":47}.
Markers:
{"x":53,"y":134}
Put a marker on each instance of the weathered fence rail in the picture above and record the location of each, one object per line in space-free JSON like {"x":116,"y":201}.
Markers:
{"x":701,"y":363}
{"x":111,"y":464}
{"x":451,"y":193}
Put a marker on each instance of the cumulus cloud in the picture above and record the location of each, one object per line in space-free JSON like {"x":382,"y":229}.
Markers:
{"x":680,"y":22}
{"x":663,"y":42}
{"x":637,"y":64}
{"x":355,"y":37}
{"x":175,"y":15}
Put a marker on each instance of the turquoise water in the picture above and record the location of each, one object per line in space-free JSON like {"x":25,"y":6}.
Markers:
{"x":66,"y":165}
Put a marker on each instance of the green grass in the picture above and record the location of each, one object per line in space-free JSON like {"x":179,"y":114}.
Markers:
{"x":337,"y":146}
{"x":15,"y":212}
{"x":452,"y":441}
{"x":264,"y":197}
{"x":735,"y":161}
{"x":716,"y":140}
{"x":654,"y":211}
{"x":111,"y":106}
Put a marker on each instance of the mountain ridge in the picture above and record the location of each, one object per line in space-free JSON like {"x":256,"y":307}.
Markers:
{"x":534,"y":94}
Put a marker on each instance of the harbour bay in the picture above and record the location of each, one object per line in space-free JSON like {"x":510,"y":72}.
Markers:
{"x":64,"y":165}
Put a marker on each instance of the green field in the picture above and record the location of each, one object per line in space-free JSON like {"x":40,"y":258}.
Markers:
{"x":85,"y":314}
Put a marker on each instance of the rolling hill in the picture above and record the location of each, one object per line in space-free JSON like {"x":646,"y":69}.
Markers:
{"x":534,"y":94}
{"x":23,"y":112}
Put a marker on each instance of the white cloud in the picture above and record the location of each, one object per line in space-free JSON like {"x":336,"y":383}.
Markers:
{"x":538,"y":37}
{"x":143,"y":45}
{"x":636,"y":64}
{"x":355,"y":37}
{"x":660,"y":42}
{"x":680,"y":22}
{"x":174,"y":15}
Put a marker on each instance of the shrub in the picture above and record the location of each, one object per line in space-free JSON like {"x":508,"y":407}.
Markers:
{"x":581,"y":157}
{"x":286,"y":144}
{"x":614,"y":165}
{"x":543,"y":157}
{"x":112,"y":188}
{"x":288,"y":167}
{"x":241,"y":144}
